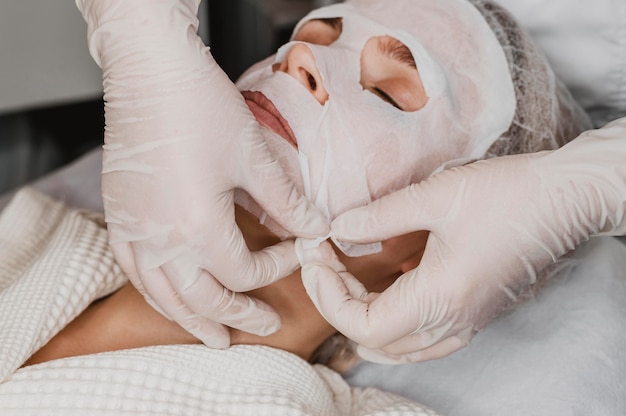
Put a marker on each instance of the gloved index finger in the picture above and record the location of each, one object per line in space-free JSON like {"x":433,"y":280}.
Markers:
{"x":161,"y":293}
{"x":239,"y":269}
{"x":208,"y":298}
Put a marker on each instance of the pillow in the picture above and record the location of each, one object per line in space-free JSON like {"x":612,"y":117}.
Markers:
{"x":585,"y":42}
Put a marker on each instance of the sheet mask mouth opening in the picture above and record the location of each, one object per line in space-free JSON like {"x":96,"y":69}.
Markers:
{"x":266,"y":113}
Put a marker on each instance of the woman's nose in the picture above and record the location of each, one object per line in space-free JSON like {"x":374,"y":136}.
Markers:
{"x":300,"y":64}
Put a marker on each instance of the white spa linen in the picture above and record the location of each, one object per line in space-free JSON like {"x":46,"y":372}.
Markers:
{"x":54,"y":261}
{"x":562,"y":353}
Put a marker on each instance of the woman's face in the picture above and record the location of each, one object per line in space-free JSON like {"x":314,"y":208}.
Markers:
{"x":346,"y":96}
{"x":355,"y":107}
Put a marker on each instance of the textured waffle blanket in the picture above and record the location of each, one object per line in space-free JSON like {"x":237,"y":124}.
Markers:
{"x":54,"y":261}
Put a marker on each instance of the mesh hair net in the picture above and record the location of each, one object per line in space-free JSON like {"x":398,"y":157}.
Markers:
{"x":546,"y":115}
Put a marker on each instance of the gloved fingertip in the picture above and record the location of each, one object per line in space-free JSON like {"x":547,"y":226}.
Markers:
{"x":211,"y":334}
{"x":375,"y":357}
{"x":311,"y":252}
{"x":212,"y":341}
{"x":270,"y":327}
{"x":316,"y":225}
{"x":260,"y":320}
{"x":351,"y":226}
{"x":310,"y":275}
{"x":370,"y":297}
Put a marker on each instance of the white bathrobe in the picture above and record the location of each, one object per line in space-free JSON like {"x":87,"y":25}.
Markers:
{"x":54,"y":261}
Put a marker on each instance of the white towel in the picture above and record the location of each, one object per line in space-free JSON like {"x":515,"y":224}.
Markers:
{"x":54,"y":261}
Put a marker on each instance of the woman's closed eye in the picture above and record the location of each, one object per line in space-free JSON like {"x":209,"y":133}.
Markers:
{"x":388,"y":70}
{"x":386,"y":97}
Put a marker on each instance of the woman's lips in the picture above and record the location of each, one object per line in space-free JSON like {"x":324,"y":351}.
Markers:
{"x":268,"y":116}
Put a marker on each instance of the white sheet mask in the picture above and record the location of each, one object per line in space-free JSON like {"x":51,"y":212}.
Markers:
{"x":356,"y":147}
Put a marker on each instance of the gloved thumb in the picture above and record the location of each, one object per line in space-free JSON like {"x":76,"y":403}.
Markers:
{"x":416,"y":207}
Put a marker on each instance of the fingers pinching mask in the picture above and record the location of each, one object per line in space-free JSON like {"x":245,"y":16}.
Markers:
{"x":379,"y":95}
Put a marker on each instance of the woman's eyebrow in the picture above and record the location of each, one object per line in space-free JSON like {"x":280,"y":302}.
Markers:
{"x":396,"y":50}
{"x":335,"y":23}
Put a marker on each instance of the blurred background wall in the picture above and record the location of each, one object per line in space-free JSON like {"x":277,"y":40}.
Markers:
{"x":51,"y":108}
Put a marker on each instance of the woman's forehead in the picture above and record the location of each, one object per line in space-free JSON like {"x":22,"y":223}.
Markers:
{"x":352,"y":19}
{"x":415,"y":17}
{"x":358,"y":27}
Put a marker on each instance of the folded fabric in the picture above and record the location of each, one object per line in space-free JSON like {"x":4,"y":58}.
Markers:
{"x":55,"y":261}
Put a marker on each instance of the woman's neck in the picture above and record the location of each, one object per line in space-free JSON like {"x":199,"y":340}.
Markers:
{"x":303,"y":328}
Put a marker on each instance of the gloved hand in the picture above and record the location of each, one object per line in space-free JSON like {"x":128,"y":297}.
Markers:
{"x":494,"y":225}
{"x":179,"y":139}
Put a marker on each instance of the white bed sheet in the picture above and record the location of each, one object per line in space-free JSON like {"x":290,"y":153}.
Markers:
{"x":562,"y":353}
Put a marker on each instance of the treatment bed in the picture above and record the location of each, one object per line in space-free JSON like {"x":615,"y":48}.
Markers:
{"x":561,"y":353}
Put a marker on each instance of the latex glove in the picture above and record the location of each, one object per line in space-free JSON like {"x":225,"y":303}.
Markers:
{"x":179,"y":139}
{"x":494,"y":225}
